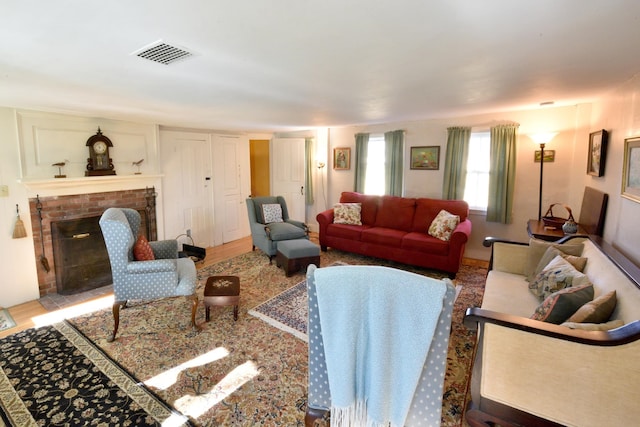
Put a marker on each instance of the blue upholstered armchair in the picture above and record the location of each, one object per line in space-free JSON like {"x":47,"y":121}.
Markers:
{"x":165,"y":276}
{"x":265,"y":233}
{"x":379,"y":319}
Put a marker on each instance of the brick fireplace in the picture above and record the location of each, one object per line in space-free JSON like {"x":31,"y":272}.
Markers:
{"x":61,"y":209}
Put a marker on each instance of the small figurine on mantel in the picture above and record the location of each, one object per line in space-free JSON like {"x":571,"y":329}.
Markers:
{"x":60,"y":165}
{"x":137,"y":164}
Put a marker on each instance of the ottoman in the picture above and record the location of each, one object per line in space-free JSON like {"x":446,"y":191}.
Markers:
{"x":222,"y":291}
{"x":293,"y":255}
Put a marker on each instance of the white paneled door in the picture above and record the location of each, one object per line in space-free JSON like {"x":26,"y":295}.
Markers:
{"x":287,"y":171}
{"x":187,"y":187}
{"x":232,"y":183}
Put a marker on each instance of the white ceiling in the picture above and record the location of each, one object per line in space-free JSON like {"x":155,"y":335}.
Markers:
{"x":269,"y":65}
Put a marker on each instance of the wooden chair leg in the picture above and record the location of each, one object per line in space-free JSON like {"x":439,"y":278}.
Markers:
{"x":194,"y":309}
{"x":116,"y":318}
{"x":312,"y":415}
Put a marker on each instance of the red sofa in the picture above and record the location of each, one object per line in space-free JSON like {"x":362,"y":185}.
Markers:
{"x":396,"y":228}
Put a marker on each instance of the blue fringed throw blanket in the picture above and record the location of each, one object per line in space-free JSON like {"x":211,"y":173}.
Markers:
{"x":377,"y":327}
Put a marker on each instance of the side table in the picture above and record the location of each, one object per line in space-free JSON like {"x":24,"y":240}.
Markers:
{"x":537,"y":229}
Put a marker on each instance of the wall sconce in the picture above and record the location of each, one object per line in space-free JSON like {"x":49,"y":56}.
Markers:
{"x":542,"y":139}
{"x":321,"y":165}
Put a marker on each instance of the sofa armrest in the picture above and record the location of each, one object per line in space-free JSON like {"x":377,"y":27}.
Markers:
{"x":528,"y":372}
{"x":324,"y":219}
{"x":461,"y":233}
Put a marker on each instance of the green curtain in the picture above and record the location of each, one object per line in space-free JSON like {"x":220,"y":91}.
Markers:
{"x":308,"y":179}
{"x":394,"y":161}
{"x":455,"y":163}
{"x":362,"y":148}
{"x":502,"y":175}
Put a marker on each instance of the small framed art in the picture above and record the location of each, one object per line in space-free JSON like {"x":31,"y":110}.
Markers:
{"x":597,"y":152}
{"x":631,"y":169}
{"x":425,"y":158}
{"x":342,"y":158}
{"x":549,"y":156}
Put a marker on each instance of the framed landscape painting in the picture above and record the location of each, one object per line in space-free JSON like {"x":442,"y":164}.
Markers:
{"x":425,"y":158}
{"x":631,"y":169}
{"x":597,"y":152}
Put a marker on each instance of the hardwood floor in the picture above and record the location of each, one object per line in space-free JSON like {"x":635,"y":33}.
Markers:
{"x":24,"y":314}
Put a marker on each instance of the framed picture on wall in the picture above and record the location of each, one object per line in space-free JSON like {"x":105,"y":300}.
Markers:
{"x":597,"y":152}
{"x":342,"y":158}
{"x":425,"y":158}
{"x":631,"y":169}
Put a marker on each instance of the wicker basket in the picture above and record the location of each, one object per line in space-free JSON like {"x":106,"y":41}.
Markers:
{"x":554,"y":221}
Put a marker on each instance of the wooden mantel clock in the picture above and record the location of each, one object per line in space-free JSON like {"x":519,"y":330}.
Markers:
{"x":99,"y":163}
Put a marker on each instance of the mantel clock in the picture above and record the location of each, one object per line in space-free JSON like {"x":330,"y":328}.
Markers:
{"x":99,"y":163}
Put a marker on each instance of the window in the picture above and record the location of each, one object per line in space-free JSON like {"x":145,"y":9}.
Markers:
{"x":476,"y":189}
{"x":374,"y":180}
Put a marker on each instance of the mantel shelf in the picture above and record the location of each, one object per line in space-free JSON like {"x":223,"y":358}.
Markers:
{"x":84,"y":183}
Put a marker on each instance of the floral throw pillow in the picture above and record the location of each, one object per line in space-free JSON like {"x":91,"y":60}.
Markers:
{"x":557,"y":275}
{"x":443,"y":225}
{"x":272,"y":212}
{"x":559,"y":306}
{"x":142,"y":250}
{"x":347,"y":213}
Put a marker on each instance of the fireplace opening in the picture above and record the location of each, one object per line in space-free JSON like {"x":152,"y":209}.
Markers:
{"x":80,"y":254}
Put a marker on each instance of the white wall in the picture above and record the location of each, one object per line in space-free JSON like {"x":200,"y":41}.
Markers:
{"x":561,"y":178}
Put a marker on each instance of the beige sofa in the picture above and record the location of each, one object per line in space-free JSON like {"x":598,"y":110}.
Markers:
{"x":528,"y":372}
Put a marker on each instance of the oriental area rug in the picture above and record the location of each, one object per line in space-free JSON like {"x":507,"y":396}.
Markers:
{"x":247,"y":372}
{"x":54,"y":376}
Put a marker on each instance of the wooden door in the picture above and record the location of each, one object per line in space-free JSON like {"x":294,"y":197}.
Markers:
{"x":287,"y":171}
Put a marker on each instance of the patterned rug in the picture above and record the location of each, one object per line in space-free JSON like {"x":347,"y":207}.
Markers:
{"x":6,"y":321}
{"x":248,"y":373}
{"x":55,"y":376}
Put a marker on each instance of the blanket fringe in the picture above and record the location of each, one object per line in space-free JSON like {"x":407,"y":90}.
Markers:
{"x":355,"y":415}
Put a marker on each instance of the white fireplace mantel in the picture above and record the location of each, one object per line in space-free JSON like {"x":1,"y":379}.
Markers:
{"x":84,"y":185}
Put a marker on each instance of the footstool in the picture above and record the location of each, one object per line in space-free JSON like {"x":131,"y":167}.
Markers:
{"x":222,"y":291}
{"x":293,"y":255}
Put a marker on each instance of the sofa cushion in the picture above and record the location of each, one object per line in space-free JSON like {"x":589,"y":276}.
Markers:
{"x":607,"y":326}
{"x":346,"y":231}
{"x":285,"y":231}
{"x":272,"y":212}
{"x":443,"y":225}
{"x":557,"y":275}
{"x":422,"y":242}
{"x":428,"y":209}
{"x":142,"y":250}
{"x":559,"y":306}
{"x":382,"y":236}
{"x":396,"y":212}
{"x":537,"y":248}
{"x":369,"y":205}
{"x":597,"y":311}
{"x":347,"y":213}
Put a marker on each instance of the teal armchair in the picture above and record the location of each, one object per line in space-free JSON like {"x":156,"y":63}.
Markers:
{"x":266,"y":234}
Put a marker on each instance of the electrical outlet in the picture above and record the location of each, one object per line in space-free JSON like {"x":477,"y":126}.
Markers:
{"x":4,"y":191}
{"x":188,"y":232}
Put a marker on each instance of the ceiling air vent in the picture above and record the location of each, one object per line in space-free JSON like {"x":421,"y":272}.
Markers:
{"x":163,"y":53}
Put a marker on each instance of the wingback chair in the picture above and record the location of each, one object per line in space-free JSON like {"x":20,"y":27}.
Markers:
{"x":265,"y":234}
{"x":165,"y":276}
{"x":386,"y":297}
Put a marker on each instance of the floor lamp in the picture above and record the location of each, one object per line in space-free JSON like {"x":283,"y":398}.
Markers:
{"x":542,"y":139}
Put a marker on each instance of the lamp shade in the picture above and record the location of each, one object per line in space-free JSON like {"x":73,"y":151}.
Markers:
{"x":542,"y":137}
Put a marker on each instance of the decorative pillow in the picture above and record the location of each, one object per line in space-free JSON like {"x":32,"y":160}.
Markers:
{"x":557,"y":275}
{"x":443,"y":225}
{"x":537,"y":249}
{"x":347,"y":213}
{"x":142,"y":250}
{"x":597,"y":311}
{"x":613,"y":324}
{"x":579,"y":263}
{"x":559,"y":306}
{"x":272,"y":212}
